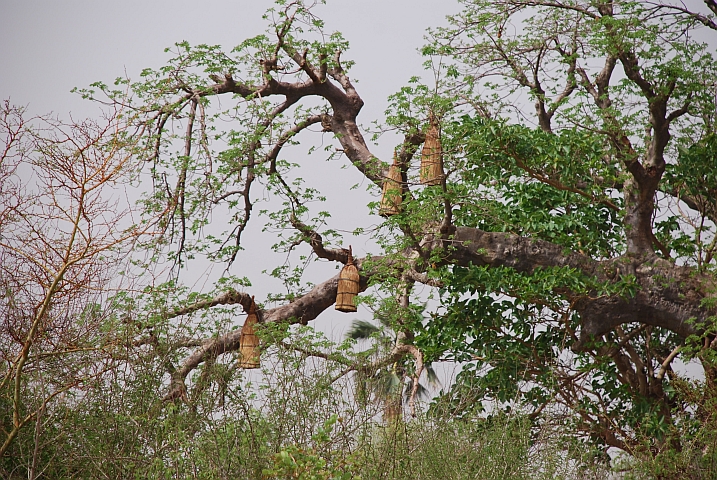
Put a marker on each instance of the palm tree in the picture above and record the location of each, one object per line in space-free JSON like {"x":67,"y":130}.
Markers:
{"x":390,"y":384}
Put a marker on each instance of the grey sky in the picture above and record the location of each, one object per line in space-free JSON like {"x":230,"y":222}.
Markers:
{"x":47,"y":47}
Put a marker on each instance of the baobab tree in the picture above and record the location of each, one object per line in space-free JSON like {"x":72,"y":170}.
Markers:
{"x":571,"y":242}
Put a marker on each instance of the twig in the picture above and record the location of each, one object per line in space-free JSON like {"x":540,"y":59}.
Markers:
{"x":666,"y":363}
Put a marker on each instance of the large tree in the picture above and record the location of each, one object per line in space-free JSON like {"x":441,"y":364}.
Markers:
{"x":571,"y":244}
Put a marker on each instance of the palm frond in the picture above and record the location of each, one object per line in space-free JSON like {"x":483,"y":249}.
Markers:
{"x":421,"y":392}
{"x":362,"y":330}
{"x":432,"y":377}
{"x":384,"y":384}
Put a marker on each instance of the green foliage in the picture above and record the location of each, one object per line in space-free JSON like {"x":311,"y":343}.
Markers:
{"x":537,"y":184}
{"x":296,"y":462}
{"x":296,"y":424}
{"x":498,"y":448}
{"x":695,"y":458}
{"x":537,"y":396}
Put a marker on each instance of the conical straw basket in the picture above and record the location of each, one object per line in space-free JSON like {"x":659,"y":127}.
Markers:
{"x":391,"y":195}
{"x":348,"y":286}
{"x":432,"y":155}
{"x":248,"y":341}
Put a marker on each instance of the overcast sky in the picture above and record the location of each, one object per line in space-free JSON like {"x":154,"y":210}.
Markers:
{"x":47,"y":47}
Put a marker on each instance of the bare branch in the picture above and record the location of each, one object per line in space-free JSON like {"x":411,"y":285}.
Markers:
{"x":317,"y":243}
{"x":286,"y":136}
{"x":704,"y":20}
{"x":423,"y":278}
{"x":666,"y":364}
{"x":230,"y":297}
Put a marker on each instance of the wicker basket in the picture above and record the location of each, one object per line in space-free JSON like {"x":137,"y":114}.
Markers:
{"x":348,"y":286}
{"x":392,"y":195}
{"x":249,"y":353}
{"x":432,"y":155}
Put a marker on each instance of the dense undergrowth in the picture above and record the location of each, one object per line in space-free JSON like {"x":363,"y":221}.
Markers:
{"x":300,"y":418}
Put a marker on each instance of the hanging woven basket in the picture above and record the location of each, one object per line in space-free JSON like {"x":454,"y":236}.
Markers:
{"x":432,"y":155}
{"x":249,"y":353}
{"x":391,"y":195}
{"x":348,"y":286}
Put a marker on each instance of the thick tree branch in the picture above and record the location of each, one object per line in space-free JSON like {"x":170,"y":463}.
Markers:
{"x":230,"y":297}
{"x":712,"y":5}
{"x":667,"y":295}
{"x":419,"y":277}
{"x":302,"y":310}
{"x":317,"y":243}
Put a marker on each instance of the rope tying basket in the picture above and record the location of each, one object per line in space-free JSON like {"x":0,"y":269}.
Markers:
{"x":348,"y":286}
{"x":432,"y":155}
{"x":391,"y":195}
{"x":249,"y":353}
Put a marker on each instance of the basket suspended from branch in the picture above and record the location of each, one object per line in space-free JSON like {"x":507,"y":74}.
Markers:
{"x":391,"y":195}
{"x":348,"y":286}
{"x":432,"y":155}
{"x":249,"y":353}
